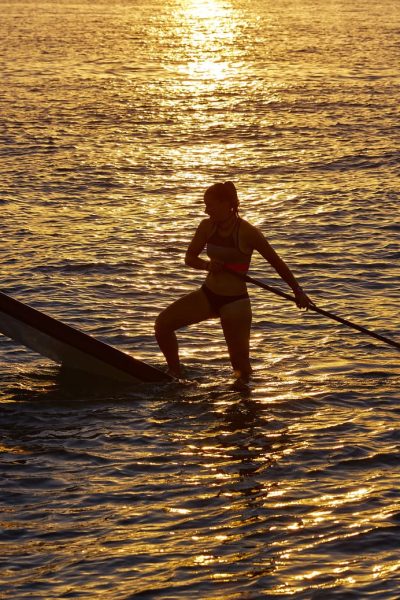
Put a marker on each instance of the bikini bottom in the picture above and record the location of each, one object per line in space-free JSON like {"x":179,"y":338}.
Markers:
{"x":217,"y":301}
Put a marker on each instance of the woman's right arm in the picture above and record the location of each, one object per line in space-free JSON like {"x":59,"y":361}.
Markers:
{"x":196,"y":246}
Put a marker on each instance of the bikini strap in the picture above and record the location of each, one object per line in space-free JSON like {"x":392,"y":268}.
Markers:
{"x":214,"y":229}
{"x":237,"y":226}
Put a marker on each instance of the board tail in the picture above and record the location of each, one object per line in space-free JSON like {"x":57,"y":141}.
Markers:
{"x":71,"y":347}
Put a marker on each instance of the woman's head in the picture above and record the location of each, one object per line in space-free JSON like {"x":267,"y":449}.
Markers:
{"x":221,"y":201}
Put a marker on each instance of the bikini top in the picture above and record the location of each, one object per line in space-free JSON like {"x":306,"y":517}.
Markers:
{"x":227,"y":250}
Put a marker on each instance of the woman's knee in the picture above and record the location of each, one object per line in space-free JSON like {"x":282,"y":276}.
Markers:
{"x":162,"y":324}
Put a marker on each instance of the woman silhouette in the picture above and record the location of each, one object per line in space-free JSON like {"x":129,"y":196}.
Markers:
{"x":230,"y":242}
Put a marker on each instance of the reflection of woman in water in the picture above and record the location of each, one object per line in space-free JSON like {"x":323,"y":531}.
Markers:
{"x":230,"y":241}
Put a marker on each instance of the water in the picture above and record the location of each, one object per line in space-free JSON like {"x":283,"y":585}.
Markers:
{"x":115,"y":118}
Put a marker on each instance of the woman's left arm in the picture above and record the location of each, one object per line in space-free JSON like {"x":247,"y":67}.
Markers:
{"x":261,"y":244}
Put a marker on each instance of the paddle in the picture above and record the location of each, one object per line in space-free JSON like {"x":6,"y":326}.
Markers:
{"x":316,"y":309}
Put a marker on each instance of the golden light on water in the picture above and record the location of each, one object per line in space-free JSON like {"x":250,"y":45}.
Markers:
{"x":206,"y":9}
{"x":208,"y":32}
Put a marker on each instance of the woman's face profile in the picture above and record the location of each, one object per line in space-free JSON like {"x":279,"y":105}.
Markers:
{"x":218,"y":210}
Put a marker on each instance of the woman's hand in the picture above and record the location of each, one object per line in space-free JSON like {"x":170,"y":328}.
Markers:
{"x":215,"y":266}
{"x":302,"y":300}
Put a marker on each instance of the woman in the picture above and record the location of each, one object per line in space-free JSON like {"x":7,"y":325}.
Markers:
{"x":230,"y":242}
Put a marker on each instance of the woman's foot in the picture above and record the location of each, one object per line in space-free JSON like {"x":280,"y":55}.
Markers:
{"x":176,"y":373}
{"x":242,"y":375}
{"x":241,"y":383}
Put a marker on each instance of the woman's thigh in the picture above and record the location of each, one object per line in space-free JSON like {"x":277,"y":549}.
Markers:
{"x":189,"y":309}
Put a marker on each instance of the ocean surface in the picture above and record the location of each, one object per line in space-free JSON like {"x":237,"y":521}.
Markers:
{"x":115,"y":117}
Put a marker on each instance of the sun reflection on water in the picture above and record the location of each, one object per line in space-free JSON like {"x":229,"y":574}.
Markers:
{"x":208,"y":32}
{"x":206,"y":9}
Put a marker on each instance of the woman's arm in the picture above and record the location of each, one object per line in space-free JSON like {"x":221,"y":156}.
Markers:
{"x":196,"y":246}
{"x":261,"y":244}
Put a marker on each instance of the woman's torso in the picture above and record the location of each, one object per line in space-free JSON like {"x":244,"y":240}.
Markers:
{"x":232,"y":250}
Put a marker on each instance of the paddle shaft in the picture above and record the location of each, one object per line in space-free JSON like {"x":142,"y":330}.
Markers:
{"x":321,"y":311}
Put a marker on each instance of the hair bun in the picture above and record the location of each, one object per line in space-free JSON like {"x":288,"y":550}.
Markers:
{"x":229,"y":185}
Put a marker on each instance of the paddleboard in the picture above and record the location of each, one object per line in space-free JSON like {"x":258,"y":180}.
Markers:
{"x":70,"y":347}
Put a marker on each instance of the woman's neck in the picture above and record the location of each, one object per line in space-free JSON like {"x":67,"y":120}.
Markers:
{"x":228,"y":223}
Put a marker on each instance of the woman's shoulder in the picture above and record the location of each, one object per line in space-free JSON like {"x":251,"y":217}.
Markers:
{"x":205,"y":226}
{"x":204,"y":229}
{"x":251,"y":235}
{"x":249,"y":229}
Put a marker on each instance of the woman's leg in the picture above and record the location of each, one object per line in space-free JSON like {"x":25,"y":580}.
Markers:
{"x":190,"y":309}
{"x":236,"y":323}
